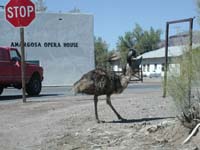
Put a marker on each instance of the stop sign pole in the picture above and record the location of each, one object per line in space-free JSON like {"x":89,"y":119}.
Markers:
{"x":23,"y":64}
{"x":20,"y":13}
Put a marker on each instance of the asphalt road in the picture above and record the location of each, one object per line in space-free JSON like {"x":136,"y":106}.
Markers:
{"x":62,"y":91}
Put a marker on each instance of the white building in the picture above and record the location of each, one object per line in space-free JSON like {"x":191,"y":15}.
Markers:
{"x":63,"y":43}
{"x":153,"y":61}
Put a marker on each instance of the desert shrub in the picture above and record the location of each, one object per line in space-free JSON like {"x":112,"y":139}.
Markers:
{"x":183,"y":86}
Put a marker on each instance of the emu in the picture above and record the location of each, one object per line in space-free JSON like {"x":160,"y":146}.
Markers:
{"x":101,"y":82}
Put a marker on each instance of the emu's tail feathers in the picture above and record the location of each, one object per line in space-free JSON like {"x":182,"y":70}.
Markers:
{"x":75,"y":87}
{"x":82,"y":85}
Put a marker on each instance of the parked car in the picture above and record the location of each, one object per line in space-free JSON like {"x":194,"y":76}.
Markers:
{"x":10,"y":72}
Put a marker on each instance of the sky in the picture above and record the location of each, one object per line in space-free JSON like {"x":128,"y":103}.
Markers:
{"x":112,"y":18}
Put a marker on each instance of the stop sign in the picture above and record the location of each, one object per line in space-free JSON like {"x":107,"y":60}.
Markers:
{"x":20,"y":13}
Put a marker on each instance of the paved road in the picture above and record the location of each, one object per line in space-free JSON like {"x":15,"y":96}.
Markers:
{"x":55,"y":92}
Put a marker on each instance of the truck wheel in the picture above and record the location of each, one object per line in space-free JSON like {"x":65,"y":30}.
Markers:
{"x":34,"y":86}
{"x":1,"y":90}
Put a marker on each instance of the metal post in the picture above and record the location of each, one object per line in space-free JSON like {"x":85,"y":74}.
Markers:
{"x":190,"y":62}
{"x":191,"y":28}
{"x":166,"y":59}
{"x":23,"y":64}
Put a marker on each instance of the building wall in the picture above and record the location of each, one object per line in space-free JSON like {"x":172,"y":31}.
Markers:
{"x":157,"y":58}
{"x":63,"y":43}
{"x":154,"y":67}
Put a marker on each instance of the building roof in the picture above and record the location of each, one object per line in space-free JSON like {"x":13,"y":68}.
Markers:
{"x":115,"y":56}
{"x":173,"y":51}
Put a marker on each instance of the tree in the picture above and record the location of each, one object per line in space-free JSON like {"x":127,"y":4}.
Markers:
{"x":40,"y":6}
{"x":101,"y":52}
{"x":124,"y":44}
{"x":148,"y":41}
{"x":75,"y":10}
{"x":139,"y":39}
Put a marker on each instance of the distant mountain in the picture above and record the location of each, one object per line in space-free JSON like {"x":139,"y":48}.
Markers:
{"x":182,"y":39}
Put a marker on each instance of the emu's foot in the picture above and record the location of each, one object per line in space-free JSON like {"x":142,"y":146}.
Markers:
{"x":100,"y":121}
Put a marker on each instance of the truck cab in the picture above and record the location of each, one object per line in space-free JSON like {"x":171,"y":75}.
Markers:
{"x":10,"y":72}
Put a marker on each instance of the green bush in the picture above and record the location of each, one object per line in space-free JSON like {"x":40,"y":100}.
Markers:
{"x":183,"y":85}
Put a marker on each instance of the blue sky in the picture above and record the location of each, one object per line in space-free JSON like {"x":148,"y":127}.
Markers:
{"x":112,"y":18}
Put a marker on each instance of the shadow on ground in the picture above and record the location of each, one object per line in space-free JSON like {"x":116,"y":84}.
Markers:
{"x":139,"y":120}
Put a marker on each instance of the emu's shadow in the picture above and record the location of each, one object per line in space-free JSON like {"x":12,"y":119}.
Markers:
{"x":139,"y":120}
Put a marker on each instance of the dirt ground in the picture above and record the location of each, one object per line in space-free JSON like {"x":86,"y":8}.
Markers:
{"x":68,"y":123}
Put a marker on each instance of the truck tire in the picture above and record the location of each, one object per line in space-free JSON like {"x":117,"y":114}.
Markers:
{"x":1,"y":90}
{"x":33,"y":88}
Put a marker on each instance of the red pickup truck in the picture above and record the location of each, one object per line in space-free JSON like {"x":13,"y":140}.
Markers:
{"x":10,"y":72}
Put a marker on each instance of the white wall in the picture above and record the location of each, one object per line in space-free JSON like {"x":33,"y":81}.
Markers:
{"x":63,"y":43}
{"x":151,"y":70}
{"x":158,"y":71}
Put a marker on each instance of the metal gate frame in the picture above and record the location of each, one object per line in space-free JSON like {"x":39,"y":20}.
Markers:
{"x":190,"y":20}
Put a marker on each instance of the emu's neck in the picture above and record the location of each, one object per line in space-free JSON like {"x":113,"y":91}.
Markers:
{"x":124,"y":79}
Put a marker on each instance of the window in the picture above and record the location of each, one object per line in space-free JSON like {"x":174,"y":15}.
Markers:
{"x":144,"y":67}
{"x":14,"y":55}
{"x":148,"y":67}
{"x":163,"y":67}
{"x":155,"y":67}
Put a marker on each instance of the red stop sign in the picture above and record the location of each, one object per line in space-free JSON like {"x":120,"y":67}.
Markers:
{"x":20,"y":13}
